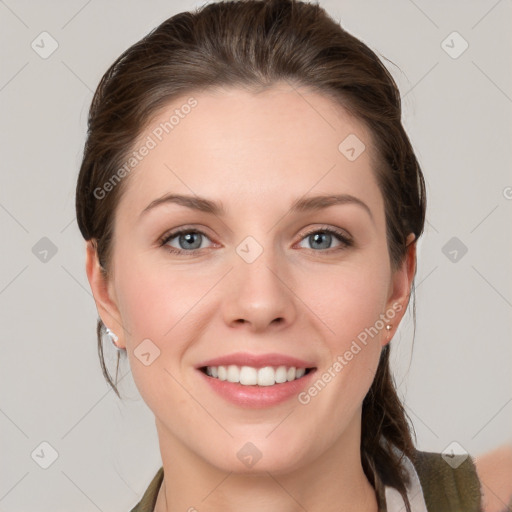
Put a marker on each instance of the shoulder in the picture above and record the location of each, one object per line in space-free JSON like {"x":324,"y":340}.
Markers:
{"x":449,"y":483}
{"x":494,"y":470}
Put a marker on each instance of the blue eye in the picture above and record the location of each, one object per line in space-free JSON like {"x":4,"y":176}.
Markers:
{"x":191,"y":240}
{"x":323,"y":238}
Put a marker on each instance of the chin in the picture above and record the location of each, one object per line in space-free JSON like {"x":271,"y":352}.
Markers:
{"x":258,"y":457}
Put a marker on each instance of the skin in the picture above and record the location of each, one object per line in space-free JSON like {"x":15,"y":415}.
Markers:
{"x":255,"y":153}
{"x":494,"y":471}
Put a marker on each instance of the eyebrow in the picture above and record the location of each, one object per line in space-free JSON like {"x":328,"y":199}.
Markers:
{"x":300,"y":205}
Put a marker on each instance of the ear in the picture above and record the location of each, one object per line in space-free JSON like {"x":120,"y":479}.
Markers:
{"x":400,"y":288}
{"x":103,"y":292}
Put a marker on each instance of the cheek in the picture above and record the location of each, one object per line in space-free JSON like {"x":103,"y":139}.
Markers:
{"x":348,"y":302}
{"x":156,"y":308}
{"x":153,"y":301}
{"x":162,"y":310}
{"x":347,"y":299}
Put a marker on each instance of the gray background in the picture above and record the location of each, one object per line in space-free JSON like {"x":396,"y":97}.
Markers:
{"x":456,"y":381}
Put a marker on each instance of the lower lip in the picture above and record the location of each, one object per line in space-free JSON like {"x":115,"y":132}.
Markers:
{"x":258,"y":397}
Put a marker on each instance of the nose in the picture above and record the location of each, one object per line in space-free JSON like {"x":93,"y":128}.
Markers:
{"x":259,"y":296}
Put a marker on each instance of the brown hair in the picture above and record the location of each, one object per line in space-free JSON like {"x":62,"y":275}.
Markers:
{"x":254,"y":44}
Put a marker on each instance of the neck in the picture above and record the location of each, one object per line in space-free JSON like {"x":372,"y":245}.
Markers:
{"x":333,"y":481}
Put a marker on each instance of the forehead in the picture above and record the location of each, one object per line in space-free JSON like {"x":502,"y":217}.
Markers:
{"x":244,"y":147}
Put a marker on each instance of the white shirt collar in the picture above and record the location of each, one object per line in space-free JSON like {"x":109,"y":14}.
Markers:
{"x":395,"y":502}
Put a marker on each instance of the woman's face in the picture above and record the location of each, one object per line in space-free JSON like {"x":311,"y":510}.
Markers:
{"x":266,"y":277}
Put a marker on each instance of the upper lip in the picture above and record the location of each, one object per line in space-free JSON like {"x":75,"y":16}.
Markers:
{"x":257,"y":360}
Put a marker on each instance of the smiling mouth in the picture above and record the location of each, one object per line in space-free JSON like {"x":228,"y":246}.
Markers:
{"x":251,"y":376}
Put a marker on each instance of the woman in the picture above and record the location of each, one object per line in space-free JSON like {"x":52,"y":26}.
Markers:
{"x":252,"y":205}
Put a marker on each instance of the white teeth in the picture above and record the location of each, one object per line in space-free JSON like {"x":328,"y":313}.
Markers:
{"x":233,"y":373}
{"x":249,"y":376}
{"x":222,"y":373}
{"x":281,"y":374}
{"x":266,"y":376}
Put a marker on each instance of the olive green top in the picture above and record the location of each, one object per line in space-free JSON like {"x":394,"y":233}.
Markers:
{"x":445,"y":489}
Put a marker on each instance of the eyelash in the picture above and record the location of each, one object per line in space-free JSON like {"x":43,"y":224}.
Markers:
{"x":345,"y":241}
